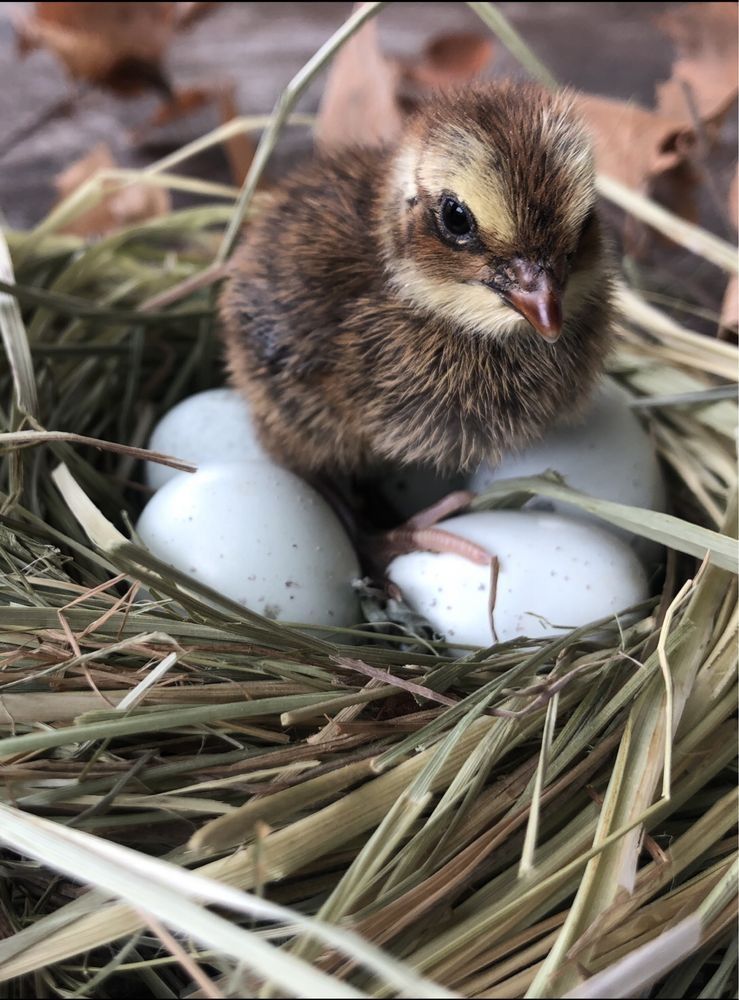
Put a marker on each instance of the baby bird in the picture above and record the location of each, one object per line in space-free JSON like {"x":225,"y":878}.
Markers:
{"x":441,"y":300}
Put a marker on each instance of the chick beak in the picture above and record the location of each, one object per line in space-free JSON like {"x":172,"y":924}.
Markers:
{"x":537,"y":296}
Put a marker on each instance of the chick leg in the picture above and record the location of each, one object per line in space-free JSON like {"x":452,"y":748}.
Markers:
{"x":419,"y":532}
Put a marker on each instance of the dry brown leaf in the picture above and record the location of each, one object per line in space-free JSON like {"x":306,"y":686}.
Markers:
{"x":182,"y":103}
{"x":646,"y":151}
{"x":705,"y":37}
{"x":367,"y":94}
{"x":449,"y":60}
{"x":734,"y":201}
{"x":358,"y":105}
{"x":677,"y":189}
{"x":117,"y":45}
{"x":123,"y":206}
{"x":633,"y":144}
{"x":730,"y":307}
{"x":240,"y":149}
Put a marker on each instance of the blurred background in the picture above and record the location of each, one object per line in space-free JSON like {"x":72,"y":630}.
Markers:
{"x":57,"y":106}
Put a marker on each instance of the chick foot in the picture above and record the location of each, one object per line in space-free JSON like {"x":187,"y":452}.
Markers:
{"x":419,"y":532}
{"x":377,"y":549}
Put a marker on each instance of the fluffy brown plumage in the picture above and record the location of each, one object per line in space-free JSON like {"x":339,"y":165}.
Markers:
{"x":403,"y":304}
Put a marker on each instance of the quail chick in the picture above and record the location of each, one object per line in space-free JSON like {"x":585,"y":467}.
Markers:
{"x":438,"y":301}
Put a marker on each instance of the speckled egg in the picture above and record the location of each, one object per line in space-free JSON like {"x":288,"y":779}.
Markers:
{"x":261,"y":536}
{"x":554,"y":574}
{"x":607,"y":455}
{"x":210,"y":427}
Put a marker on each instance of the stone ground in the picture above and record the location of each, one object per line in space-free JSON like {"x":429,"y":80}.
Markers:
{"x":605,"y":48}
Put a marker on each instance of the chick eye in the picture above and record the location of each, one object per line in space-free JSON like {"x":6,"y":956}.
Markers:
{"x":456,"y":219}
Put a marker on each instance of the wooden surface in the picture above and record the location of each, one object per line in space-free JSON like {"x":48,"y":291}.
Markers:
{"x":609,"y":48}
{"x":613,"y":49}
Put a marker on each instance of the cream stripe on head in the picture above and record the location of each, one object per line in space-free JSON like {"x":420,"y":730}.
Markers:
{"x":464,"y":169}
{"x":523,"y":167}
{"x":569,"y":146}
{"x":503,"y":158}
{"x":404,"y":173}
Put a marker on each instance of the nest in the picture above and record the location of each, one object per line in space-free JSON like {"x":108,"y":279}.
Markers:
{"x":369,"y":814}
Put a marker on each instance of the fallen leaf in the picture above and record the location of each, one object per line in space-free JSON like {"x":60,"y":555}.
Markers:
{"x":734,"y":201}
{"x":704,"y":76}
{"x":240,"y":148}
{"x":122,"y":206}
{"x":450,"y":60}
{"x":118,"y":45}
{"x":646,"y":151}
{"x":358,"y":105}
{"x":729,"y":322}
{"x":633,"y":144}
{"x":730,"y":309}
{"x":677,"y":190}
{"x":183,"y":102}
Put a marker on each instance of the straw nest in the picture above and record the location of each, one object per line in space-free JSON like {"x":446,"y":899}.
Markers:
{"x":369,"y":815}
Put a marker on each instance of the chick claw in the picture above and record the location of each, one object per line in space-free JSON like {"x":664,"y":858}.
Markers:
{"x":419,"y":532}
{"x":404,"y":540}
{"x":449,"y":504}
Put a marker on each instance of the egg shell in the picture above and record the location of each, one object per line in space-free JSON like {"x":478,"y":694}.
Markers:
{"x":555,"y":573}
{"x":259,"y":535}
{"x":608,"y":455}
{"x":210,"y":427}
